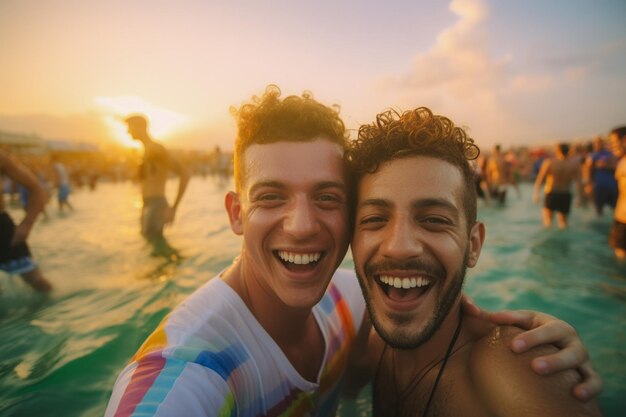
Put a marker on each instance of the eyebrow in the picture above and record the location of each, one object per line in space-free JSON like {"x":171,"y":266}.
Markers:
{"x":419,"y":204}
{"x":280,"y":185}
{"x":331,"y":184}
{"x":374,"y":202}
{"x":269,"y":184}
{"x":434,"y":202}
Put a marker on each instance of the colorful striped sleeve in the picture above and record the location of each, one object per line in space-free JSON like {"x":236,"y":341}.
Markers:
{"x":160,"y":387}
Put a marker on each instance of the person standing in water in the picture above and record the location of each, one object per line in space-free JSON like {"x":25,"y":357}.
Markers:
{"x":15,"y":255}
{"x":617,"y":238}
{"x":600,"y":172}
{"x":157,"y":163}
{"x":496,"y":174}
{"x":559,"y":173}
{"x":62,"y":182}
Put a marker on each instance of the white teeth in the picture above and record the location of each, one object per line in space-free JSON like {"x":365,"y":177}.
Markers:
{"x":405,"y":283}
{"x":298,"y":258}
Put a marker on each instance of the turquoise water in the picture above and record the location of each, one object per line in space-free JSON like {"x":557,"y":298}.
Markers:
{"x":60,"y":355}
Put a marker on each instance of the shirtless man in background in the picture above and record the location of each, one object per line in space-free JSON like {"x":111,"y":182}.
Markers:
{"x":155,"y":167}
{"x":497,"y":176}
{"x":559,"y":173}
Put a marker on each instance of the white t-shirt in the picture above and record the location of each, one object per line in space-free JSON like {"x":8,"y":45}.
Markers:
{"x":210,"y":357}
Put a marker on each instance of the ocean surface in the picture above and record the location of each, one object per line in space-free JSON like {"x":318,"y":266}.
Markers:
{"x":61,"y":354}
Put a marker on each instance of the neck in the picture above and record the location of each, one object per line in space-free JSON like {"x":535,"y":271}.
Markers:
{"x":294,"y":330}
{"x":285,"y":324}
{"x":431,"y":351}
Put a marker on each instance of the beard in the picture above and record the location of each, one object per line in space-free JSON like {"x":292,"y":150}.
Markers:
{"x":443,"y":303}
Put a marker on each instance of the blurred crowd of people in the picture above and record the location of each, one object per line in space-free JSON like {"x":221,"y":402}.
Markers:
{"x":32,"y":179}
{"x":86,"y":169}
{"x":497,"y":170}
{"x":586,"y":173}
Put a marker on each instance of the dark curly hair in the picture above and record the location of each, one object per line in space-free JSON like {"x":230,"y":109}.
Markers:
{"x":268,"y":119}
{"x":412,"y":133}
{"x":619,"y":131}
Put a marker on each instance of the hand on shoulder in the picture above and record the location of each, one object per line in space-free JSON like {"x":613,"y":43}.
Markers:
{"x":507,"y":386}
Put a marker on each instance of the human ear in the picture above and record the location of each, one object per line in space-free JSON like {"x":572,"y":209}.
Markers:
{"x":476,"y":240}
{"x":233,"y":208}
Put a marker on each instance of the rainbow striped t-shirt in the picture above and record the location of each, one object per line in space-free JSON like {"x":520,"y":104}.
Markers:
{"x":210,"y":357}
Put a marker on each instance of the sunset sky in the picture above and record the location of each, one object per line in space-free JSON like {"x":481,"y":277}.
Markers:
{"x":514,"y":72}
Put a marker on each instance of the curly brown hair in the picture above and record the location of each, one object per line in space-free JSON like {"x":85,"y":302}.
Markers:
{"x":268,"y":119}
{"x":396,"y":135}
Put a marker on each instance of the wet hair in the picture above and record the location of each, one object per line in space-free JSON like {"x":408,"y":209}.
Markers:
{"x":415,"y":133}
{"x":268,"y":119}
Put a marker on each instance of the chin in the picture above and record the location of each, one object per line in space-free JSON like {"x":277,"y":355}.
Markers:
{"x":406,"y":335}
{"x":300,"y":301}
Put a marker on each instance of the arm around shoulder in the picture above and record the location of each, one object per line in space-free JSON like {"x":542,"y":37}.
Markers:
{"x":507,"y":386}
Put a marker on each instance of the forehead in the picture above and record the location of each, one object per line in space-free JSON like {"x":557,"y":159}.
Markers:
{"x":294,"y":162}
{"x":614,"y":137}
{"x":402,"y":182}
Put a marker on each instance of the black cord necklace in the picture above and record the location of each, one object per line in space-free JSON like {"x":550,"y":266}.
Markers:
{"x":417,"y":378}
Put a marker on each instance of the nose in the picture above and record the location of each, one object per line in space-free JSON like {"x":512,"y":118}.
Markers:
{"x":401,"y":241}
{"x":302,"y":219}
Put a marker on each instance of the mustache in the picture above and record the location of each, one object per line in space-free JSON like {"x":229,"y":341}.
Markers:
{"x":428,"y":268}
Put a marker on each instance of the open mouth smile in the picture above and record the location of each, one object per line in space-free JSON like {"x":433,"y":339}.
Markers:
{"x":403,"y":288}
{"x":295,"y":261}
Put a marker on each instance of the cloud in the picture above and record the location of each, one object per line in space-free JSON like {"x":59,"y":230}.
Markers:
{"x":576,"y":73}
{"x":459,"y":61}
{"x":460,"y":77}
{"x":531,"y":83}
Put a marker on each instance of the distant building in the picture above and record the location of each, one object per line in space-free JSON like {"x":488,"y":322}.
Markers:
{"x":65,"y":146}
{"x":20,"y":143}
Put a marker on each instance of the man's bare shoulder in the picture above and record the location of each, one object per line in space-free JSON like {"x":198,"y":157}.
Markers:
{"x":497,"y":341}
{"x":508,"y":386}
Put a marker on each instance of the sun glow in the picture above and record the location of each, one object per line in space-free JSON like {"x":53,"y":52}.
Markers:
{"x":161,"y":122}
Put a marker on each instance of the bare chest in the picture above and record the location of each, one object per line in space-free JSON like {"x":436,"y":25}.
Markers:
{"x":453,"y":396}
